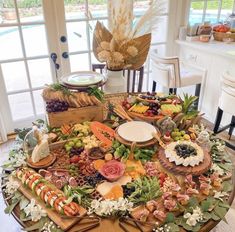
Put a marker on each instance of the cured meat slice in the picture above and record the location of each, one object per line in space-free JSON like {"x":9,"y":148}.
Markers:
{"x":73,"y":182}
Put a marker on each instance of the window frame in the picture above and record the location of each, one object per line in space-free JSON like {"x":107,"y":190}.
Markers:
{"x":220,"y":5}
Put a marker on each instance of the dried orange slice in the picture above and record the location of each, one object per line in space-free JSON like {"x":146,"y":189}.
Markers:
{"x":98,"y":164}
{"x":114,"y":193}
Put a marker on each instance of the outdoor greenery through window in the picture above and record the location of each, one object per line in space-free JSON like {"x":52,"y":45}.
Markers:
{"x":212,"y":11}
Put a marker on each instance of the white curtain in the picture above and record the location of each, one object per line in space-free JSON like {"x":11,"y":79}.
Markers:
{"x":3,"y":134}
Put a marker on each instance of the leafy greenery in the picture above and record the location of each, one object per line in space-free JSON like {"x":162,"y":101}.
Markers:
{"x":22,"y":132}
{"x":188,"y":107}
{"x":170,"y":217}
{"x":98,"y":93}
{"x":120,"y":150}
{"x":146,"y":189}
{"x":59,"y":87}
{"x":212,"y":5}
{"x":38,"y":3}
{"x":227,"y":186}
{"x":80,"y":194}
{"x":15,"y":200}
{"x":144,"y":154}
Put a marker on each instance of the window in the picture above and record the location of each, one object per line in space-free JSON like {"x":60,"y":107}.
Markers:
{"x":159,"y":37}
{"x":30,"y":31}
{"x":210,"y":10}
{"x":81,"y":18}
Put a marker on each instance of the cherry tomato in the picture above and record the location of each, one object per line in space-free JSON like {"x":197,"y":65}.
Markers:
{"x":74,"y":159}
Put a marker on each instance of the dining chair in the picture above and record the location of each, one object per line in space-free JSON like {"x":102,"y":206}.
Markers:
{"x":134,"y":77}
{"x":226,"y":104}
{"x":169,"y":72}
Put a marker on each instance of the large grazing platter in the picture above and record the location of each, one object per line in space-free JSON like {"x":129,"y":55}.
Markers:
{"x":177,"y":176}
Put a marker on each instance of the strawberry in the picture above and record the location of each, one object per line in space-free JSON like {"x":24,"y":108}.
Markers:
{"x":168,"y":134}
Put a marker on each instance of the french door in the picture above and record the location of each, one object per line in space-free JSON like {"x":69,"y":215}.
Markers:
{"x":30,"y":36}
{"x":34,"y":31}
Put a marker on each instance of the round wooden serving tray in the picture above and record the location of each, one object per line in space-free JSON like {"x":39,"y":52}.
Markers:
{"x":43,"y":163}
{"x":180,"y":169}
{"x":128,"y":143}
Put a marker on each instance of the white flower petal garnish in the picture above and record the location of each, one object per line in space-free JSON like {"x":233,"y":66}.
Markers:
{"x":35,"y":211}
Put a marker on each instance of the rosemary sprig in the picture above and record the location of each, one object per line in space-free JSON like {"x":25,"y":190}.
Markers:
{"x":59,"y":87}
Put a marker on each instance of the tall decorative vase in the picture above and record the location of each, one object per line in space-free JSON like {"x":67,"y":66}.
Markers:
{"x":115,"y":83}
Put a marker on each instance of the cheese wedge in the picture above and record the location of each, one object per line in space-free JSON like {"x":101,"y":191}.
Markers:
{"x":40,"y":151}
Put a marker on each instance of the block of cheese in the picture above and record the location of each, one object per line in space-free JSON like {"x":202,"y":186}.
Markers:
{"x":40,"y":151}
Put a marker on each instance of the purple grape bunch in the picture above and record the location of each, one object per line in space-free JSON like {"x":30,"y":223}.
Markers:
{"x":76,"y":150}
{"x":56,"y":106}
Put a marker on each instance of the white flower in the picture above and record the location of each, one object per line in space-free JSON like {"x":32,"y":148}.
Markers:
{"x":132,"y":50}
{"x":105,"y":45}
{"x":49,"y":227}
{"x":191,"y":221}
{"x":104,"y":56}
{"x":187,"y":215}
{"x":221,"y":147}
{"x":35,"y":211}
{"x":109,"y":207}
{"x":220,"y":195}
{"x":195,"y":217}
{"x":117,"y":57}
{"x":203,"y":137}
{"x":215,"y":168}
{"x":11,"y":186}
{"x":16,"y":158}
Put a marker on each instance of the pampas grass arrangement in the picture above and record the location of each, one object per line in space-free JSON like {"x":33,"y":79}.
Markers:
{"x":126,"y":46}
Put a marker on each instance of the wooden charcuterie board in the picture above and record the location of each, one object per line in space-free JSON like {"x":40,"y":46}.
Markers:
{"x":144,"y":118}
{"x":63,"y":223}
{"x":43,"y":163}
{"x":182,"y":170}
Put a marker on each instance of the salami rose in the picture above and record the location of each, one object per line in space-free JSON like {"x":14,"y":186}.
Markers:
{"x":170,"y":204}
{"x":166,"y":195}
{"x":189,"y":181}
{"x":112,"y":170}
{"x":160,"y":215}
{"x":182,"y":198}
{"x":191,"y":191}
{"x":204,"y":179}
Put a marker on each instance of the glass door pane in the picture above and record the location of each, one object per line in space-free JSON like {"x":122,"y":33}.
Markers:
{"x":24,"y":61}
{"x":212,"y":11}
{"x":196,"y":12}
{"x":81,"y":17}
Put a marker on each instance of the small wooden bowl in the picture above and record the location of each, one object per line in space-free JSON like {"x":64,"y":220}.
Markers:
{"x":43,"y":163}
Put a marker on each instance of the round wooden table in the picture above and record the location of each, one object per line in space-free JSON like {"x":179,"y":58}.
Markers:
{"x":113,"y":225}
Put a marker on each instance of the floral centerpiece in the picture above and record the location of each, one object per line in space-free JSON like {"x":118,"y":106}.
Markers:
{"x":126,"y":44}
